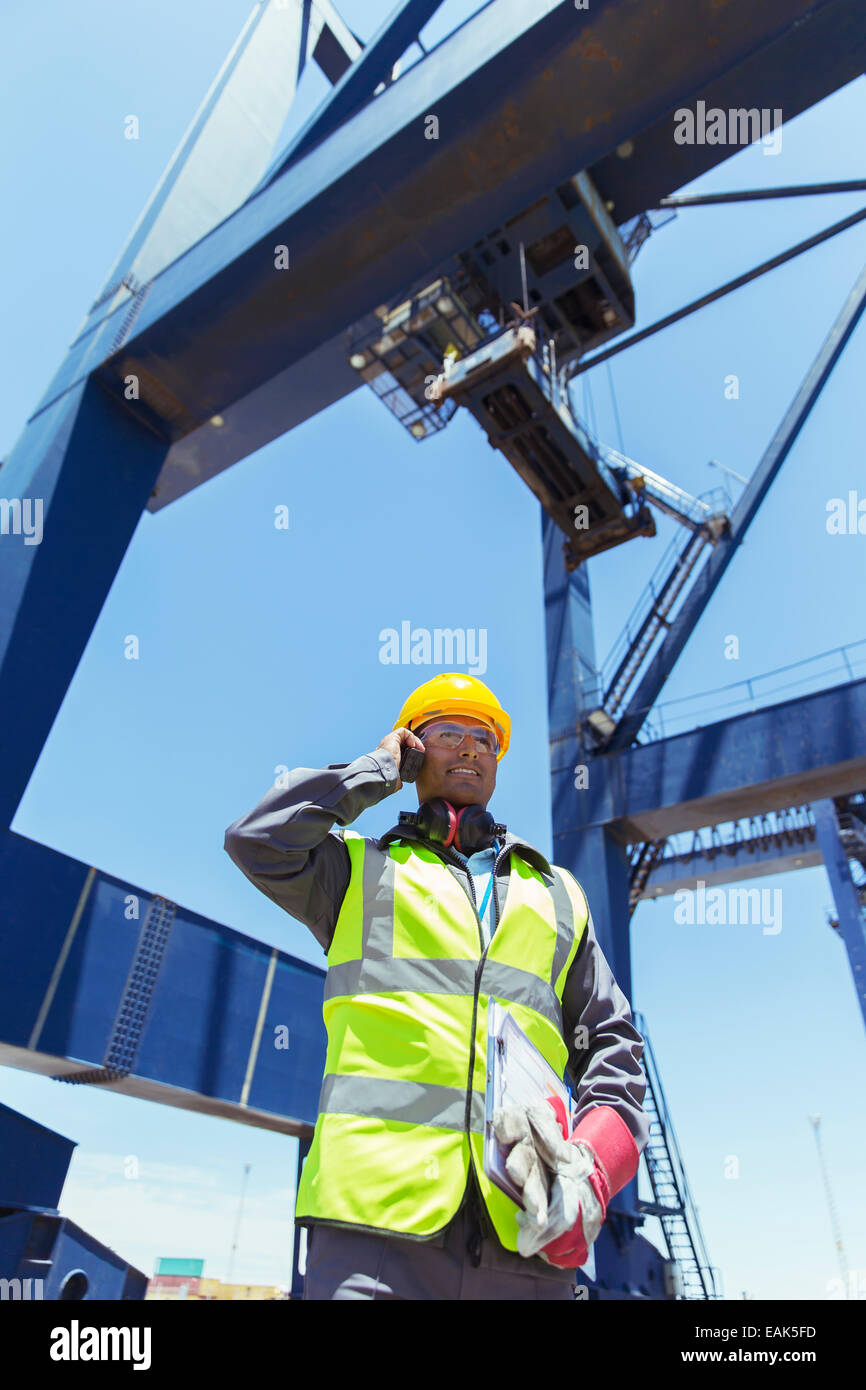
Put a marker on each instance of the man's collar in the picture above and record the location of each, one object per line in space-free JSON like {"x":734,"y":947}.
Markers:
{"x":526,"y":851}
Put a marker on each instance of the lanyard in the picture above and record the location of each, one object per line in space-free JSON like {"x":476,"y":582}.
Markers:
{"x":486,"y":897}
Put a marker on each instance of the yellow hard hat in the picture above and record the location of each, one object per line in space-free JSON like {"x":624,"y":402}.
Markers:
{"x":455,"y":694}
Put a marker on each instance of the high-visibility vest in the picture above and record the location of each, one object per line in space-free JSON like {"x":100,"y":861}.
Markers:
{"x":401,"y":1109}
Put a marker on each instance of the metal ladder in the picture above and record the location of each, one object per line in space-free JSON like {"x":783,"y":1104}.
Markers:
{"x":645,"y":859}
{"x":706,"y":522}
{"x":672,"y":1201}
{"x":651,"y":615}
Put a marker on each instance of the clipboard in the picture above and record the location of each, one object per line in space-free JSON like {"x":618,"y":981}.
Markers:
{"x":517,"y":1074}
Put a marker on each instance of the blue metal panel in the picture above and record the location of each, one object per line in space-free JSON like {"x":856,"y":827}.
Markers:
{"x":30,"y":894}
{"x":572,"y":675}
{"x":601,"y":865}
{"x":289,"y":1080}
{"x":88,"y":466}
{"x":201,"y":1022}
{"x":784,"y":755}
{"x":851,"y":924}
{"x":58,"y":1260}
{"x":64,"y":972}
{"x":597,"y":861}
{"x":34,"y":1161}
{"x":83,"y":1004}
{"x":628,"y":1266}
{"x":288,"y":399}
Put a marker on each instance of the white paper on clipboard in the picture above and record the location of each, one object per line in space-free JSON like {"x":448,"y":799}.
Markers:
{"x":517,"y":1074}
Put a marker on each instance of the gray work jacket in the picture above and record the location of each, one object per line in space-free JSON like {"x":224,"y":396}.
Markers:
{"x":287,"y":847}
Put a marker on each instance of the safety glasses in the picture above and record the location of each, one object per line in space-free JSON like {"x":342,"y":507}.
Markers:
{"x":442,"y":735}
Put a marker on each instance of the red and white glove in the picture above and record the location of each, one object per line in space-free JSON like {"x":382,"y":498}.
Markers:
{"x":608,"y":1141}
{"x":566,"y":1180}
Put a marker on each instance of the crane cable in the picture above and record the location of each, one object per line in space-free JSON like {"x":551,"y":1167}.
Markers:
{"x":615,"y":407}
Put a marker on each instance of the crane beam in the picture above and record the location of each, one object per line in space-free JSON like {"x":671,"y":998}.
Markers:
{"x":701,"y":592}
{"x":784,"y":755}
{"x":383,"y":200}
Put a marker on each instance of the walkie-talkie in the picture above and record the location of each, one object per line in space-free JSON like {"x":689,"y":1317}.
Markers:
{"x":411,"y":762}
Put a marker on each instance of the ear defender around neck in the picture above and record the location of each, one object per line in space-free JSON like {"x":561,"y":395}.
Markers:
{"x":467,"y":830}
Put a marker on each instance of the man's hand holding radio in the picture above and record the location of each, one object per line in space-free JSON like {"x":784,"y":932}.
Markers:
{"x":395,"y":743}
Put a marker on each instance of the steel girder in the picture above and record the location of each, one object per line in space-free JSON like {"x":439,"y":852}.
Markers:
{"x":104,"y":983}
{"x":851,"y":924}
{"x":87,"y":467}
{"x":729,"y":864}
{"x":784,"y":755}
{"x":376,"y":206}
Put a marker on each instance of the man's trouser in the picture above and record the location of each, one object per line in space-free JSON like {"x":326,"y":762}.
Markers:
{"x":465,"y":1261}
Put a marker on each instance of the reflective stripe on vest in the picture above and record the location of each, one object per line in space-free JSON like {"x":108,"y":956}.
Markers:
{"x":401,"y":1109}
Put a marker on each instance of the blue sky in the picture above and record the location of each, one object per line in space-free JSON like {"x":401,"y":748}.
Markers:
{"x":260,"y":647}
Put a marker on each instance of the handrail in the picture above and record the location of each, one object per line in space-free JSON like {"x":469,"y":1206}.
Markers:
{"x":658,"y":726}
{"x":646,"y":602}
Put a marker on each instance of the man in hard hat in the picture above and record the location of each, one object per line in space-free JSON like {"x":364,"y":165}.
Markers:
{"x":422,"y":927}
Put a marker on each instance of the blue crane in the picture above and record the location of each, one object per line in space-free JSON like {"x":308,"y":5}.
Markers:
{"x":473,"y":249}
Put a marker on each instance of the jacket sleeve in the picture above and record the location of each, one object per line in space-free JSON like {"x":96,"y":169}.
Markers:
{"x":286,"y":845}
{"x":604,"y":1047}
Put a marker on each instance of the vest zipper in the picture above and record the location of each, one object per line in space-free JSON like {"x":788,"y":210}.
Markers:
{"x":449,"y":864}
{"x":495,"y":900}
{"x":484,"y":950}
{"x":450,"y":860}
